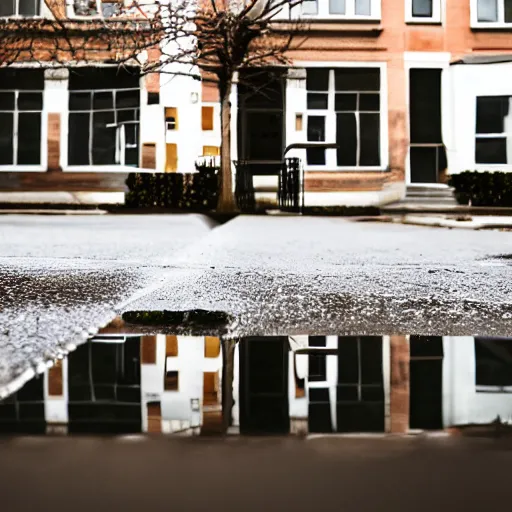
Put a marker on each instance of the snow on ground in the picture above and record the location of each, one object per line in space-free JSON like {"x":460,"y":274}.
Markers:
{"x":289,"y":275}
{"x":62,"y":278}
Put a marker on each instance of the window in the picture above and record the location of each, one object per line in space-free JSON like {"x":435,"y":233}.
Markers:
{"x":104,"y":117}
{"x":493,"y":364}
{"x":20,"y":7}
{"x":491,"y":13}
{"x":21,"y":105}
{"x":103,"y":8}
{"x":350,"y":9}
{"x":423,"y":11}
{"x":317,"y":367}
{"x":493,"y":144}
{"x":171,"y":381}
{"x":344,"y":105}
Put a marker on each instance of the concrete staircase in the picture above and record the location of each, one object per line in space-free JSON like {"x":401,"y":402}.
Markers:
{"x":425,"y":195}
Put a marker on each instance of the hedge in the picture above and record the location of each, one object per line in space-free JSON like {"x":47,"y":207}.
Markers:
{"x":192,"y":191}
{"x":483,"y":188}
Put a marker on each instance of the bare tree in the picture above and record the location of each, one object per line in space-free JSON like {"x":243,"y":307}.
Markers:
{"x":209,"y":40}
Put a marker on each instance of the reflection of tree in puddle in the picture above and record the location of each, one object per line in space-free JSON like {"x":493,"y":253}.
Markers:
{"x":125,"y":383}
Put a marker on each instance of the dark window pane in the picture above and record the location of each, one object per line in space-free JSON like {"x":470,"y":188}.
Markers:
{"x":493,"y":361}
{"x":348,"y":360}
{"x":422,"y":8}
{"x":103,"y":101}
{"x":103,"y":78}
{"x":153,"y":98}
{"x":7,"y":100}
{"x":369,"y":133}
{"x":316,"y":128}
{"x":104,"y":139}
{"x":30,"y":101}
{"x":32,"y":391}
{"x":426,"y":346}
{"x":29,"y":7}
{"x":372,"y":393}
{"x":78,"y":139}
{"x":80,"y":101}
{"x":487,"y":10}
{"x":508,"y":11}
{"x":346,"y":138}
{"x":6,"y":138}
{"x":371,"y":359}
{"x":337,"y":7}
{"x":317,"y":341}
{"x":23,"y":79}
{"x":425,"y":105}
{"x":357,"y":79}
{"x":264,"y":135}
{"x":317,"y":79}
{"x":317,"y":101}
{"x":132,"y":157}
{"x":28,"y":411}
{"x":491,"y":151}
{"x":490,"y":113}
{"x":127,"y":115}
{"x":345,"y":102}
{"x":315,"y":156}
{"x":319,"y":395}
{"x":130,"y":134}
{"x":317,"y":367}
{"x":369,"y":102}
{"x":347,"y":393}
{"x":29,"y":139}
{"x":127,"y":99}
{"x":7,"y":7}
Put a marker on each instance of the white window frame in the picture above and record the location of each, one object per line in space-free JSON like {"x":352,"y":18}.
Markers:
{"x":500,"y":24}
{"x":116,"y":167}
{"x":21,"y":16}
{"x":70,"y":8}
{"x":324,"y":14}
{"x":437,"y":14}
{"x":330,"y":114}
{"x":42,"y":166}
{"x":507,"y":135}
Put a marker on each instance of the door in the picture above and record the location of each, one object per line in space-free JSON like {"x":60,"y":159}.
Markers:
{"x":264,"y":385}
{"x":426,"y":383}
{"x":261,"y":120}
{"x":427,"y":156}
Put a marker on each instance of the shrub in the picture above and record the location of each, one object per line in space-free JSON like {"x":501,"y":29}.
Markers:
{"x":483,"y":188}
{"x":193,"y":191}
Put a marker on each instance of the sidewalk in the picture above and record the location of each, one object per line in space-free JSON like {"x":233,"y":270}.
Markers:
{"x":58,"y":202}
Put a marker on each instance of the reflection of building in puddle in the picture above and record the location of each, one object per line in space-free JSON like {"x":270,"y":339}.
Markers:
{"x":299,"y":384}
{"x":124,"y":384}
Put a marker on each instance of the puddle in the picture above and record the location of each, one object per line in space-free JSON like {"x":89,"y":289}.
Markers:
{"x":283,"y":385}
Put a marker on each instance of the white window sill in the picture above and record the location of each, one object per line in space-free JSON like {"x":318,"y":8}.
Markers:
{"x":23,"y":168}
{"x":23,"y":17}
{"x":492,"y":167}
{"x":491,"y":25}
{"x":423,"y":21}
{"x":493,"y":389}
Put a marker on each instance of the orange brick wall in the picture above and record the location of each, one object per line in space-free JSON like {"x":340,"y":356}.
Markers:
{"x":400,"y":391}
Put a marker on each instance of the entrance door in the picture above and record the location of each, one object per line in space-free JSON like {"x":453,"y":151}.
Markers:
{"x":426,"y":383}
{"x":427,"y":155}
{"x":264,"y":385}
{"x":261,"y":120}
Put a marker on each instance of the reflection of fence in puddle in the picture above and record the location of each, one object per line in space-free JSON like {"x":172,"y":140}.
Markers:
{"x":280,"y":385}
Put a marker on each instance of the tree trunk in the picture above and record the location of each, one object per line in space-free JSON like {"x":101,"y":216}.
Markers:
{"x":228,"y":359}
{"x":226,"y":201}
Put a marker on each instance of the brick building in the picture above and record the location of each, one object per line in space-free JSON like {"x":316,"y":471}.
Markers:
{"x":410,"y":90}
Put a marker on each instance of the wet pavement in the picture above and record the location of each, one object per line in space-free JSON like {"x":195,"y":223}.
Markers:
{"x":63,"y":277}
{"x":292,"y":275}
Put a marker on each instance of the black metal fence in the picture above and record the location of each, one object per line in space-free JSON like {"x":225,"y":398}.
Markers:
{"x":290,"y":190}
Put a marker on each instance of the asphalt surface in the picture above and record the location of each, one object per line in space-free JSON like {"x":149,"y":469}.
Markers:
{"x":298,"y":275}
{"x":62,"y":278}
{"x":335,"y":474}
